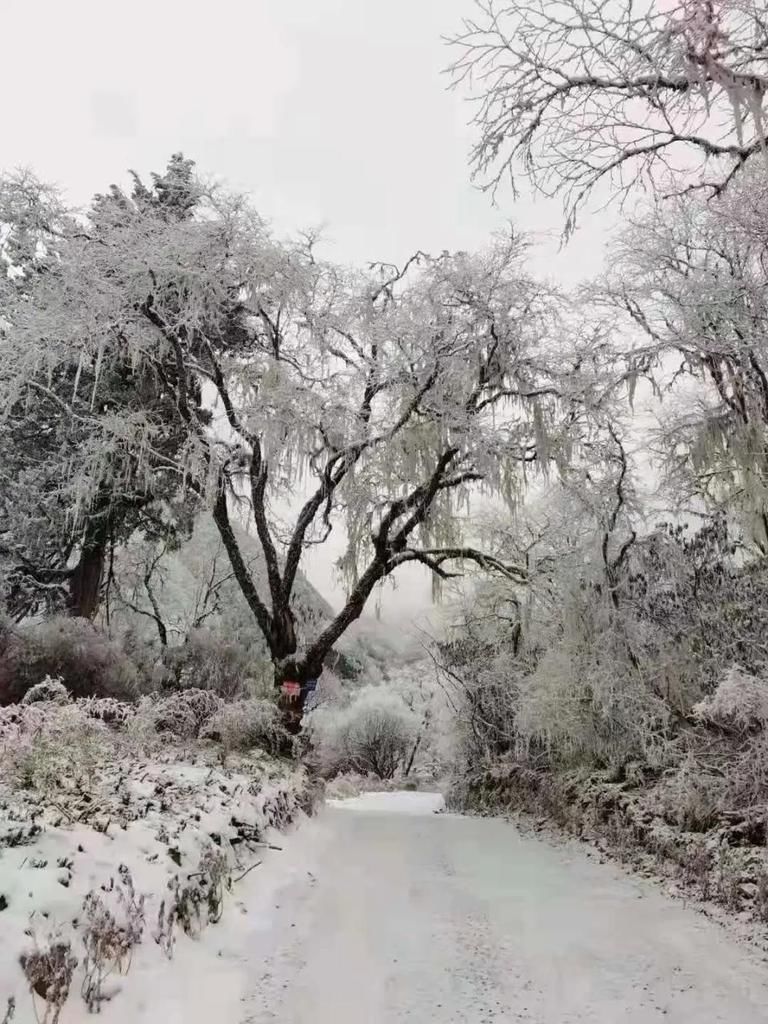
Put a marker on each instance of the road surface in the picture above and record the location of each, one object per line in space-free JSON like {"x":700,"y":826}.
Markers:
{"x":421,"y":917}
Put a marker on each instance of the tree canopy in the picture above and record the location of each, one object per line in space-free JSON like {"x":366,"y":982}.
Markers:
{"x":182,"y":353}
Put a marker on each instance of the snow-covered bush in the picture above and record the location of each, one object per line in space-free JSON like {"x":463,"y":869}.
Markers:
{"x":108,"y":710}
{"x":746,"y":775}
{"x":244,"y":724}
{"x":588,"y":706}
{"x":200,"y":900}
{"x":692,"y":796}
{"x":49,"y":690}
{"x":48,"y":968}
{"x":484,"y":696}
{"x":112,"y":926}
{"x":185,"y":713}
{"x":49,"y":747}
{"x":373,"y":734}
{"x":740,"y":702}
{"x":724,"y":777}
{"x":578,"y":700}
{"x":74,"y":651}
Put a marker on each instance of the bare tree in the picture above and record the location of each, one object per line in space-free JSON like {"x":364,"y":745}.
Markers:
{"x":571,"y":92}
{"x":148,"y":575}
{"x":139,"y":582}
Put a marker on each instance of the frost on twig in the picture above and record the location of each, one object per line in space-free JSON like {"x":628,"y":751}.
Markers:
{"x":571,"y":92}
{"x":109,"y":936}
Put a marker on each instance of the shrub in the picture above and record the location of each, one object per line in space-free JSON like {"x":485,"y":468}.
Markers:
{"x":185,"y":713}
{"x":691,"y":798}
{"x":486,"y":698}
{"x":588,"y":706}
{"x":244,"y":724}
{"x":195,"y":904}
{"x":85,"y":660}
{"x":109,"y":938}
{"x":48,"y":691}
{"x":201,"y":900}
{"x":50,"y":747}
{"x":372,"y":734}
{"x":739,"y":703}
{"x":745,"y":773}
{"x":49,"y":971}
{"x":108,"y":710}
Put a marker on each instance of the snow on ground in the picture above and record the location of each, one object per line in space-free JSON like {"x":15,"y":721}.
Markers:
{"x":164,"y":846}
{"x":439,"y":918}
{"x":397,"y":802}
{"x":209,"y":978}
{"x":379,"y":910}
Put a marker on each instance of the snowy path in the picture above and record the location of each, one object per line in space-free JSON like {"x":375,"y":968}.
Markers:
{"x":423,"y":917}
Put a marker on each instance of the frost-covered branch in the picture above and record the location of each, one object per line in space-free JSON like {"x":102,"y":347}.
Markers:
{"x":572,"y":92}
{"x":434,"y":558}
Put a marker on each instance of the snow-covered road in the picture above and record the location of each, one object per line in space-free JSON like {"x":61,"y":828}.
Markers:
{"x":422,"y":917}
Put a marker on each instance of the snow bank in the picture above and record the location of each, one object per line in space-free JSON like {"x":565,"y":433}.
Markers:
{"x":397,"y":802}
{"x":211,"y":975}
{"x":127,"y":871}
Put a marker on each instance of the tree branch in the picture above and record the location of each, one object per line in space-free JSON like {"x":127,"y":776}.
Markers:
{"x":239,"y":568}
{"x":434,"y":558}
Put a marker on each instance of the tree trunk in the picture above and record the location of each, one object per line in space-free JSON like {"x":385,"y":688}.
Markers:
{"x":292,"y":707}
{"x":85,"y":581}
{"x":310,"y":665}
{"x":412,"y":758}
{"x":283,"y":633}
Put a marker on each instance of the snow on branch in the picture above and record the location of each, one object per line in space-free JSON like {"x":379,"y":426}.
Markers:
{"x":571,"y":92}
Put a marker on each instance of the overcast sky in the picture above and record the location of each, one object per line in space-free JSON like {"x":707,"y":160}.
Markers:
{"x":331,"y":112}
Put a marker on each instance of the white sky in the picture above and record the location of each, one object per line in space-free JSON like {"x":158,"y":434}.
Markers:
{"x":331,"y":112}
